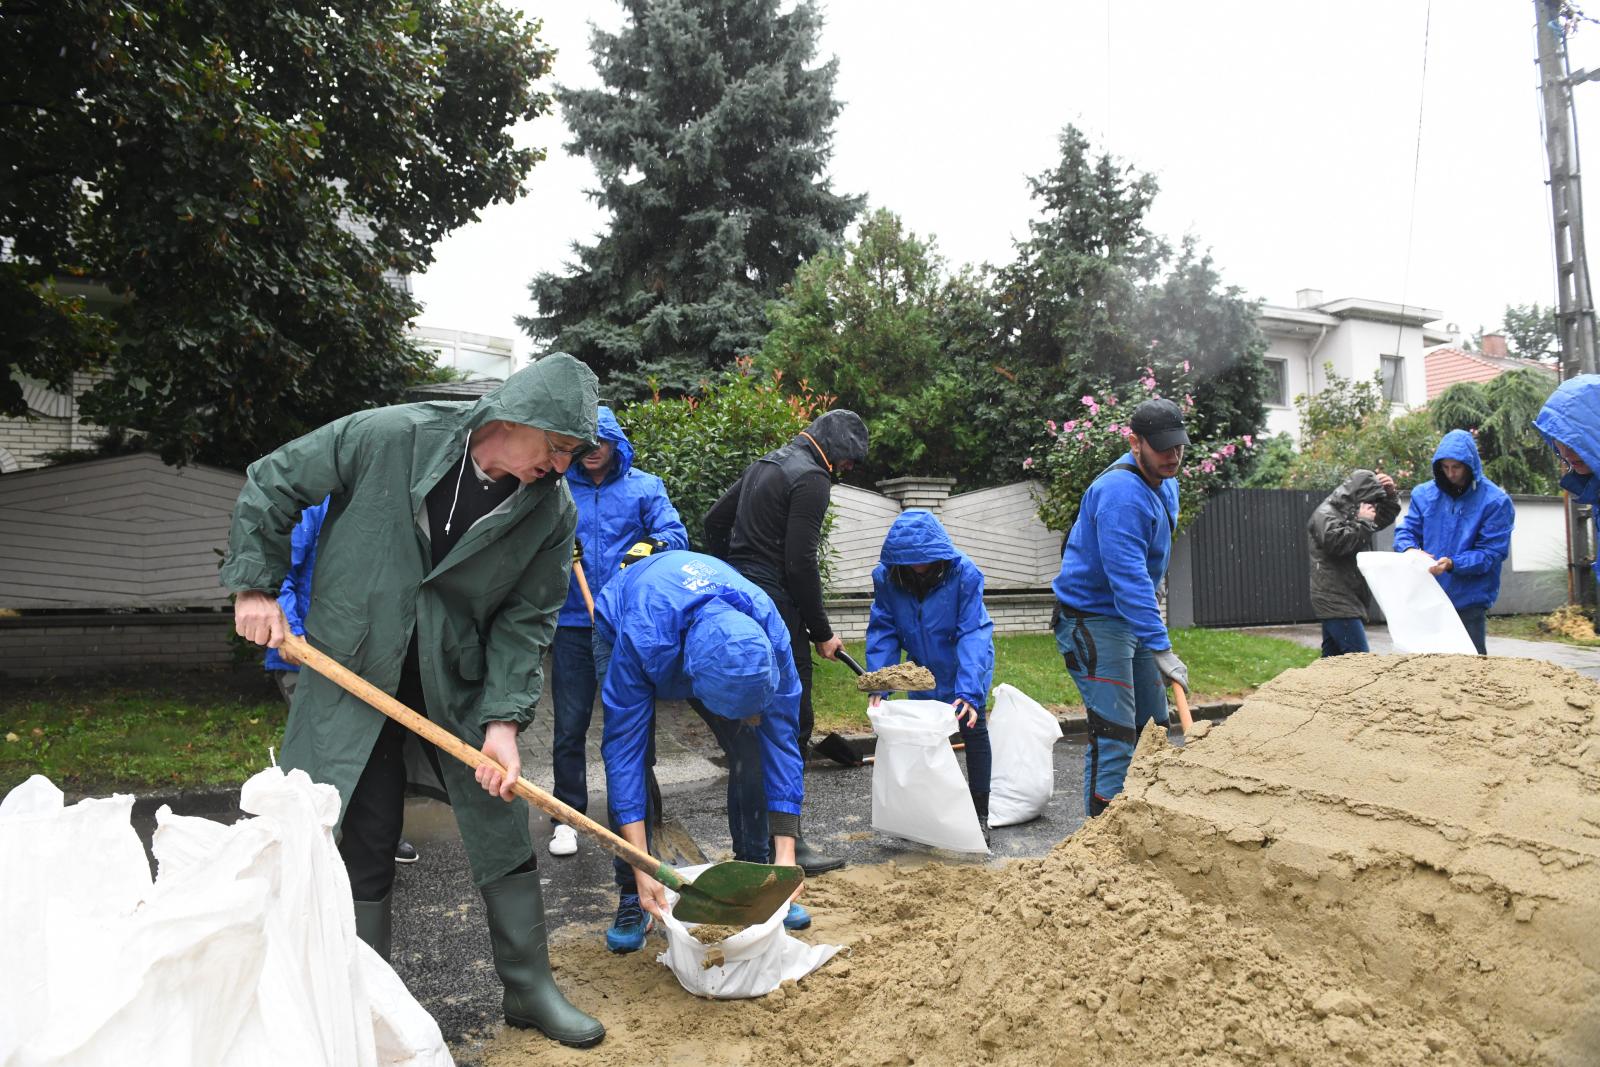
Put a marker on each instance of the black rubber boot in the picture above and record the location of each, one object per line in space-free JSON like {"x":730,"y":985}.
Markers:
{"x":810,"y":860}
{"x":374,"y":923}
{"x":980,"y":804}
{"x":522,"y":959}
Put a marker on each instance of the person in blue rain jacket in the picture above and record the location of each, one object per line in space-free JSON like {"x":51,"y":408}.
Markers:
{"x":619,"y":508}
{"x":686,"y":626}
{"x":1462,"y":521}
{"x":1570,"y":424}
{"x":927,"y":602}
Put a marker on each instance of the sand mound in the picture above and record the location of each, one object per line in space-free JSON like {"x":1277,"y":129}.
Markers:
{"x":1377,"y":860}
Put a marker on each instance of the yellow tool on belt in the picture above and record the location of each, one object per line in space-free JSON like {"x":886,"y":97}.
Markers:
{"x":641,"y":549}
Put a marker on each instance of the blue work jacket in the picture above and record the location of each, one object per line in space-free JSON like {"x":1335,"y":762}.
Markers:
{"x":946,"y":629}
{"x":1572,"y":416}
{"x":1473,"y":527}
{"x":626,"y":507}
{"x":680,"y":625}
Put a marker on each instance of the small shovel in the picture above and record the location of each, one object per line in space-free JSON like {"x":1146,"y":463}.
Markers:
{"x":734,"y":893}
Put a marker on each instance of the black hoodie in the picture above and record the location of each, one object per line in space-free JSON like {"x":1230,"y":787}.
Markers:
{"x":769,"y":521}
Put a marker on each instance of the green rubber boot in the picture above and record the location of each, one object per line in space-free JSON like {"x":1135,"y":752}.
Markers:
{"x":522,"y":959}
{"x":374,"y":923}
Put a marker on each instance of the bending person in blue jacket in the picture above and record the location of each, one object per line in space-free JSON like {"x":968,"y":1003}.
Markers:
{"x":294,"y":597}
{"x":681,"y":625}
{"x":1462,"y":522}
{"x":1570,"y":424}
{"x":927,"y":601}
{"x":620,"y":510}
{"x":1109,"y":627}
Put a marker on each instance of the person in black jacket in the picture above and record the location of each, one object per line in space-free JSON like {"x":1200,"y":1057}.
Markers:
{"x":1343,"y":525}
{"x":768,"y":525}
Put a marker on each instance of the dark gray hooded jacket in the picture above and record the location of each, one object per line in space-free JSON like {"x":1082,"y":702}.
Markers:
{"x":1337,"y":589}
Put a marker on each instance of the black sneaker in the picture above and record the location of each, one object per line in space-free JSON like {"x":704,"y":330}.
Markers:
{"x":405,"y":852}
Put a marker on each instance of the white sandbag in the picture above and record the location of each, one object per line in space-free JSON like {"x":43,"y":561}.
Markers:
{"x":750,"y":963}
{"x":917,"y":789}
{"x":1420,"y":615}
{"x":1022,"y":736}
{"x":242,"y":952}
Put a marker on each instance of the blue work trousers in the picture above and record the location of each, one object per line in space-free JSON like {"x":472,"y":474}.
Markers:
{"x":1476,"y":620}
{"x":1122,"y":693}
{"x":573,"y":683}
{"x":1342,"y":636}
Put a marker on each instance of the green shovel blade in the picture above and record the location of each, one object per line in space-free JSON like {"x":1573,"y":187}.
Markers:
{"x":736,"y":893}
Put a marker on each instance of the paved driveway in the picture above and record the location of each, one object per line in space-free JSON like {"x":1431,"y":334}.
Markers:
{"x":1583,"y":660}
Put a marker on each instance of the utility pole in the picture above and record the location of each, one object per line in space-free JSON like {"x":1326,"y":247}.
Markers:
{"x":1574,"y":303}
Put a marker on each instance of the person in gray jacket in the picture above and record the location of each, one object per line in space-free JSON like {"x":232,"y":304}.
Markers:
{"x":1343,"y":525}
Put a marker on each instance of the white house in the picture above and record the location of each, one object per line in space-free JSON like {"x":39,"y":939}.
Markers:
{"x":477,"y":355}
{"x":1358,"y":337}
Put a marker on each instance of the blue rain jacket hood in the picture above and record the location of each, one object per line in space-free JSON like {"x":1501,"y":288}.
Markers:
{"x":682,"y":624}
{"x":1472,"y":527}
{"x":1572,"y":416}
{"x":948,"y":630}
{"x":626,"y":507}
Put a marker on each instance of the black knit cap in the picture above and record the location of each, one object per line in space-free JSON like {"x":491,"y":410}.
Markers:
{"x":1160,"y":423}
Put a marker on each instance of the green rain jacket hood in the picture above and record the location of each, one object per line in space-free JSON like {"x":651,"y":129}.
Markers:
{"x":482,"y":618}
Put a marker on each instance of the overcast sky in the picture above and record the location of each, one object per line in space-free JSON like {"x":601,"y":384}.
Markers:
{"x":1284,"y":136}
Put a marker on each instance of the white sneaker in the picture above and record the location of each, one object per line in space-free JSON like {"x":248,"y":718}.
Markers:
{"x":564,"y":842}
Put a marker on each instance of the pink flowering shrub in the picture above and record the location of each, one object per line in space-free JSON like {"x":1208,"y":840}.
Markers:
{"x":1073,"y":453}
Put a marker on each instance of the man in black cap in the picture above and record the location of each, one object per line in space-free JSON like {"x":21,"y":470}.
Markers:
{"x":1108,"y":625}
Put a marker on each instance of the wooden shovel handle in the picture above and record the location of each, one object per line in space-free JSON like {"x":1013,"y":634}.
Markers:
{"x":1185,"y":720}
{"x":583,"y":587}
{"x":357,"y":686}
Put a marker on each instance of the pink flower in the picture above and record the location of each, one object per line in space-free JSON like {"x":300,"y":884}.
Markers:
{"x":1086,"y":399}
{"x":1208,"y":466}
{"x":1081,"y":437}
{"x":1051,"y":423}
{"x":1249,"y":441}
{"x":1148,"y":383}
{"x":1027,"y":464}
{"x":1070,"y":424}
{"x":1188,"y":400}
{"x":1229,"y":450}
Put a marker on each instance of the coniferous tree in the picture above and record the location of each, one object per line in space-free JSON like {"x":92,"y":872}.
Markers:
{"x":711,"y":141}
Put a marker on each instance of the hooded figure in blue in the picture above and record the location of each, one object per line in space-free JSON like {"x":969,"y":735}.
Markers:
{"x":685,"y":626}
{"x":1570,"y":424}
{"x":927,"y":602}
{"x":618,"y":508}
{"x":1462,"y":522}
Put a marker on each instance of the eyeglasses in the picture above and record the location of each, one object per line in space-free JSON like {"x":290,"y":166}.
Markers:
{"x":574,"y":454}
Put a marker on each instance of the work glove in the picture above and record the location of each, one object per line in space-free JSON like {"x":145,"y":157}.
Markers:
{"x":641,"y":549}
{"x":1172,"y":668}
{"x":577,"y":549}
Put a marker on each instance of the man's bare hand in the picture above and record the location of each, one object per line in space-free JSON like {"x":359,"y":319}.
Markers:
{"x":1367,"y":513}
{"x":829,"y":649}
{"x":500,"y":745}
{"x":1444,"y":563}
{"x":258,"y":619}
{"x":1387,"y":483}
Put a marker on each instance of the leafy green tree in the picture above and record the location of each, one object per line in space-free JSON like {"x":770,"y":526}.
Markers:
{"x":1272,"y":460}
{"x":1531,"y":331}
{"x":1500,"y":414}
{"x":1342,"y":404}
{"x":711,"y":140}
{"x":1401,"y":447}
{"x":243,"y":179}
{"x":698,"y":445}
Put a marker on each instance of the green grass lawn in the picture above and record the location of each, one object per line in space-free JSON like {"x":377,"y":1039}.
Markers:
{"x":140,"y":733}
{"x":1221,"y":664}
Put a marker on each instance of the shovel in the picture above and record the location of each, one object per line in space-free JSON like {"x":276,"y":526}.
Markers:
{"x":1185,"y":720}
{"x":733,"y":892}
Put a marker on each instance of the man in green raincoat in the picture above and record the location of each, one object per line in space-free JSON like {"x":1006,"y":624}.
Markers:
{"x":442,"y":565}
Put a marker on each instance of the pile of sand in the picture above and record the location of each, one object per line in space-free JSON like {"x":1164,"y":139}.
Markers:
{"x":1376,"y":860}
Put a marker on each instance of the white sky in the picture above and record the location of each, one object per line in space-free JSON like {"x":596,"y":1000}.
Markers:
{"x":1284,"y":136}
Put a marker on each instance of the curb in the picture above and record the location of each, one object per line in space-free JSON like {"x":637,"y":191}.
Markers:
{"x":1074,"y":724}
{"x":182,"y":802}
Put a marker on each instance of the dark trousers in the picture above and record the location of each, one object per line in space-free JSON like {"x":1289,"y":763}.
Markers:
{"x":1476,"y":620}
{"x":573,"y":682}
{"x":800,"y":646}
{"x":1341,"y":636}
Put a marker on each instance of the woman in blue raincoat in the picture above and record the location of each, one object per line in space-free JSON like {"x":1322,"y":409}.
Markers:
{"x":1570,"y":424}
{"x":927,"y":602}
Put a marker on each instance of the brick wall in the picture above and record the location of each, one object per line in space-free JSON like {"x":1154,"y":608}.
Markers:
{"x":44,"y":646}
{"x":1013,"y":613}
{"x":29,"y":440}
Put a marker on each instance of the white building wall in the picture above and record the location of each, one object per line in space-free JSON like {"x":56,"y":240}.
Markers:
{"x":477,"y":355}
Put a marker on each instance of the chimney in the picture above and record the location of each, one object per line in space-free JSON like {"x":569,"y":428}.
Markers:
{"x":1494,"y":344}
{"x":927,"y":493}
{"x":1307,"y":298}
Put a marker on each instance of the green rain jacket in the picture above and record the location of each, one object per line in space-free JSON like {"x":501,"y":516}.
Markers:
{"x":483,"y":617}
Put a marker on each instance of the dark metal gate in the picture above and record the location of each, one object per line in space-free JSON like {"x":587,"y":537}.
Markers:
{"x":1252,"y":563}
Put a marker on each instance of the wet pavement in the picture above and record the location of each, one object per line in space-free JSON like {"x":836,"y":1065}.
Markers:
{"x":1585,"y":661}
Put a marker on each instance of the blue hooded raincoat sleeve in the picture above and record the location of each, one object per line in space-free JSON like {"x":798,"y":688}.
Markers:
{"x":295,"y":596}
{"x":646,"y":614}
{"x":947,"y":629}
{"x":1472,"y":528}
{"x":626,"y":507}
{"x":1572,"y":417}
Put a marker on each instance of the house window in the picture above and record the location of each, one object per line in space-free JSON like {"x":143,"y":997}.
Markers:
{"x":1394,"y":379}
{"x":1277,"y":383}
